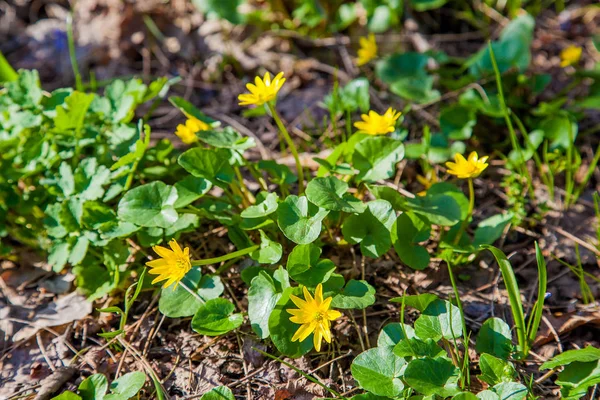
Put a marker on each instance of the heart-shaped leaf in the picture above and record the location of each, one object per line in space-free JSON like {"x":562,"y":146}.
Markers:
{"x":150,"y":205}
{"x":432,"y":376}
{"x":356,"y":295}
{"x":269,"y":251}
{"x":371,"y":228}
{"x":177,"y":302}
{"x":216,"y":318}
{"x":299,"y":220}
{"x":330,"y":193}
{"x":262,"y":209}
{"x":495,"y":338}
{"x":379,"y":371}
{"x":282,"y":329}
{"x":190,"y":189}
{"x":264,"y":293}
{"x":305,"y":266}
{"x":494,"y":370}
{"x":376,"y":158}
{"x":404,"y":236}
{"x":440,"y":319}
{"x":393,"y":333}
{"x":211,"y":164}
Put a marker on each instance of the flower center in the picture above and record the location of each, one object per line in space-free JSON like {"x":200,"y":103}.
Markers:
{"x":182,"y":264}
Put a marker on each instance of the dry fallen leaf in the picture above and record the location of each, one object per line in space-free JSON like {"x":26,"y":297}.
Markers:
{"x":66,"y":309}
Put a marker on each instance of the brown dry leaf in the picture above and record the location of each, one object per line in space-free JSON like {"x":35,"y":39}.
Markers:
{"x":565,"y":324}
{"x":52,"y":384}
{"x":66,"y":309}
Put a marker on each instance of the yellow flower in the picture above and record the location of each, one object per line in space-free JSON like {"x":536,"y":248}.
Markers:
{"x":427,"y":181}
{"x":375,"y":124}
{"x":467,"y":168}
{"x":173,"y":264}
{"x":314,"y":315}
{"x":368,"y":49}
{"x":187,"y":132}
{"x":262,"y":91}
{"x":570,"y":56}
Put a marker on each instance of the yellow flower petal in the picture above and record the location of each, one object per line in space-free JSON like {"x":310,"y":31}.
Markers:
{"x":262,"y":91}
{"x":375,"y":124}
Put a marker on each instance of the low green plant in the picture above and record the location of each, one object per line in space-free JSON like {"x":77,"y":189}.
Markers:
{"x":95,"y":387}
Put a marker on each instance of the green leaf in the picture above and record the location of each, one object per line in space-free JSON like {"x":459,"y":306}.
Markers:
{"x":299,"y":220}
{"x":587,"y":354}
{"x":190,"y":189}
{"x":487,"y":395}
{"x":26,"y":90}
{"x":226,"y":9}
{"x":559,"y":129}
{"x":67,"y":396}
{"x":330,"y":193}
{"x":89,"y":179}
{"x":404,"y":236}
{"x":393,"y":333}
{"x":269,"y":251}
{"x":79,"y":250}
{"x":93,"y":387}
{"x":510,"y":391}
{"x":440,"y":319}
{"x":216,"y":318}
{"x":218,"y":393}
{"x":58,"y":255}
{"x":457,"y":122}
{"x":577,"y":377}
{"x":407,"y":76}
{"x":424,"y":5}
{"x":211,"y":164}
{"x":495,"y":370}
{"x":379,"y":371}
{"x":432,"y":376}
{"x":282,"y":329}
{"x":263,"y":295}
{"x":512,"y":50}
{"x":126,"y":386}
{"x":465,"y":396}
{"x":442,"y":205}
{"x":150,"y":205}
{"x":190,"y":110}
{"x":226,"y":139}
{"x":356,"y":295}
{"x":418,"y":301}
{"x":266,"y":207}
{"x":490,"y":229}
{"x":305,"y":266}
{"x":177,"y":302}
{"x":73,"y":115}
{"x":495,"y":338}
{"x":417,"y":348}
{"x":376,"y":158}
{"x":371,"y":228}
{"x":66,"y":180}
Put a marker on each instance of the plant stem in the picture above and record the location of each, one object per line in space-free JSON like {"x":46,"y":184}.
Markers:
{"x":7,"y":72}
{"x":243,"y":186}
{"x":465,"y":223}
{"x":226,"y":257}
{"x":194,"y":294}
{"x":72,"y":55}
{"x":291,"y":146}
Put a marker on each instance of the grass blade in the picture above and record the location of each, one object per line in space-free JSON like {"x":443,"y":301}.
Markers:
{"x":514,"y":296}
{"x":538,"y":308}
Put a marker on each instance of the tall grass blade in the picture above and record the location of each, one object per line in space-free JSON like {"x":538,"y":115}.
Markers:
{"x":7,"y":72}
{"x":514,"y":296}
{"x":538,"y":308}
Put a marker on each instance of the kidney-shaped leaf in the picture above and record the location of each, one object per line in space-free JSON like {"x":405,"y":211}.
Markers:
{"x":376,"y":158}
{"x":432,"y":376}
{"x":440,"y":319}
{"x":371,"y":228}
{"x":211,"y":164}
{"x":330,"y":193}
{"x":356,"y":295}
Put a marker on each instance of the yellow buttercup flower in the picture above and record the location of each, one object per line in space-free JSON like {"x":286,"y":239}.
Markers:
{"x":375,"y":124}
{"x":262,"y":91}
{"x":368,"y":49}
{"x":173,"y":264}
{"x":427,"y":181}
{"x":187,"y":132}
{"x":314,"y":315}
{"x":467,"y":168}
{"x":570,"y":56}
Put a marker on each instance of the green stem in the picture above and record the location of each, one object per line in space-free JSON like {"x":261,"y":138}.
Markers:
{"x":72,"y":56}
{"x":291,"y":145}
{"x":7,"y":72}
{"x":569,"y":186}
{"x":465,"y":223}
{"x":243,"y":187}
{"x":194,"y":294}
{"x":226,"y":257}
